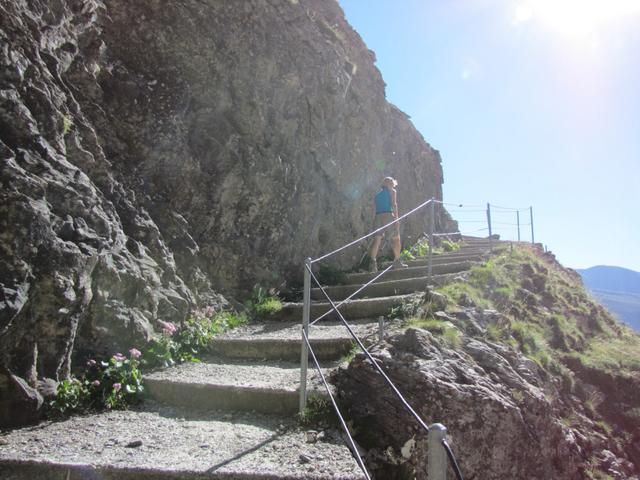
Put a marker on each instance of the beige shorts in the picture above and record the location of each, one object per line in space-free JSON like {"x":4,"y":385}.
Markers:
{"x":380,"y":221}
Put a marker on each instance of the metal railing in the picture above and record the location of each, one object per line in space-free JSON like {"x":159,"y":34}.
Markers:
{"x":440,"y":453}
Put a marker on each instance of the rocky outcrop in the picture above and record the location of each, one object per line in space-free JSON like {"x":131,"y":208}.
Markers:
{"x":263,"y":123}
{"x":154,"y":153}
{"x":505,"y":416}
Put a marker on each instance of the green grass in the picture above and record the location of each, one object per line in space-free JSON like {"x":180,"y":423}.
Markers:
{"x":466,"y":295}
{"x":263,"y":302}
{"x":267,"y":306}
{"x":612,"y":354}
{"x":547,"y":311}
{"x":67,"y":123}
{"x":319,"y":410}
{"x":449,"y":334}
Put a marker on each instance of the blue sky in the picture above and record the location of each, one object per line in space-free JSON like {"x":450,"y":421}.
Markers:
{"x":530,"y":104}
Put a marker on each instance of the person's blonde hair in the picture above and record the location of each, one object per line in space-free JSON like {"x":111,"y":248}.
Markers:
{"x":390,"y":181}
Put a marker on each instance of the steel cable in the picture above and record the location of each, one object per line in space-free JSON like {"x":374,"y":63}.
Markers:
{"x":335,"y":406}
{"x":371,"y":359}
{"x":452,"y":459}
{"x":352,"y":295}
{"x":364,"y":237}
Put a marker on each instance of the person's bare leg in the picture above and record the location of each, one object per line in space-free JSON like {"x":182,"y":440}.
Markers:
{"x":375,"y":245}
{"x":395,"y":245}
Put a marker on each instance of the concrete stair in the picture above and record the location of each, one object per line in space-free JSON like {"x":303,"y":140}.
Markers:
{"x":351,"y":310}
{"x":232,"y":415}
{"x":174,"y":443}
{"x":378,"y":289}
{"x":222,"y":384}
{"x":411,"y":272}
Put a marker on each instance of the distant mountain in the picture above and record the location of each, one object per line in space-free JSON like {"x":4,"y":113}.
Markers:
{"x":618,"y":289}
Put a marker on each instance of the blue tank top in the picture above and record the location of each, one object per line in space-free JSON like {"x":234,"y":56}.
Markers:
{"x":383,"y":201}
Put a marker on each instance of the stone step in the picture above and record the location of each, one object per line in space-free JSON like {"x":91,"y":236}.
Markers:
{"x":441,"y":260}
{"x":410,"y":272}
{"x":383,"y":289}
{"x":330,"y":340}
{"x":175,"y":444}
{"x":240,"y":385}
{"x":351,"y":310}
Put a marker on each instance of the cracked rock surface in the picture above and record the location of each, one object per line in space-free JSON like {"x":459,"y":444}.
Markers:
{"x":154,"y":154}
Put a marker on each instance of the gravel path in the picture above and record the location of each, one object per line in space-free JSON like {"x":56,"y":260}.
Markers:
{"x":241,"y":373}
{"x":166,"y":439}
{"x":291,"y":330}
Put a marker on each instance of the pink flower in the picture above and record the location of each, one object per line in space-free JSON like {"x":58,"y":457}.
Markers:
{"x":117,"y":387}
{"x":118,"y":357}
{"x":96,"y":383}
{"x":168,"y":327}
{"x":135,"y":353}
{"x":91,"y":362}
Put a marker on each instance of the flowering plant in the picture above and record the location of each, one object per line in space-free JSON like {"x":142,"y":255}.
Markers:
{"x":112,"y":384}
{"x":185,"y":343}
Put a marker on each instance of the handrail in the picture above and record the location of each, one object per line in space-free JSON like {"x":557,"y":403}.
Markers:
{"x":437,"y":432}
{"x":409,"y":408}
{"x":371,"y":359}
{"x":452,"y":459}
{"x":353,"y":294}
{"x":364,"y":286}
{"x":335,"y":407}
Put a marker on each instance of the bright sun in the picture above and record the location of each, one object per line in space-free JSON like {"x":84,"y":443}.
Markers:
{"x":576,"y":18}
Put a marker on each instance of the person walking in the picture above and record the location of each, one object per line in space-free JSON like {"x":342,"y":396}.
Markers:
{"x":386,"y":211}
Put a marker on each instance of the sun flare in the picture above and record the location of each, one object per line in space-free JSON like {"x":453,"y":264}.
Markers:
{"x":576,"y":18}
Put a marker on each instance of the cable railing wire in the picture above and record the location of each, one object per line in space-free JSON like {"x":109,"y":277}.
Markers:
{"x":371,"y":359}
{"x":452,"y":459}
{"x":335,"y":406}
{"x":352,"y":295}
{"x":335,"y":308}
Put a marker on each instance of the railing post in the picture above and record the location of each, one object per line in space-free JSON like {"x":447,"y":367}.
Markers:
{"x":381,"y":328}
{"x":489,"y":223}
{"x":531,"y":217}
{"x":518,"y":219}
{"x":432,"y":218}
{"x":304,"y":355}
{"x":436,"y":455}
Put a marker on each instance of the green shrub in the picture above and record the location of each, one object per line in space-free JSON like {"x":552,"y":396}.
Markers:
{"x":112,"y":384}
{"x":67,"y":124}
{"x":451,"y":337}
{"x":449,"y":246}
{"x":263,"y":302}
{"x":117,"y":382}
{"x":494,"y":332}
{"x":319,"y":410}
{"x":465,"y":295}
{"x":70,"y":397}
{"x":529,"y":340}
{"x":183,"y":344}
{"x":503,"y":295}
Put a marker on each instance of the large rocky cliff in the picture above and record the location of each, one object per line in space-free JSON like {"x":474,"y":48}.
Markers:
{"x":154,"y":153}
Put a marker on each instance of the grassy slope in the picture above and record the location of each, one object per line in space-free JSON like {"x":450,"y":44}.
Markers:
{"x":549,"y":316}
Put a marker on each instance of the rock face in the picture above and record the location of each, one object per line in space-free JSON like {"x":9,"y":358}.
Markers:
{"x":501,"y":419}
{"x":264,"y":123}
{"x":154,"y":153}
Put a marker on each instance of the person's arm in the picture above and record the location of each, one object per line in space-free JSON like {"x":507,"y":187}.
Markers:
{"x":394,"y":207}
{"x":373,"y":220}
